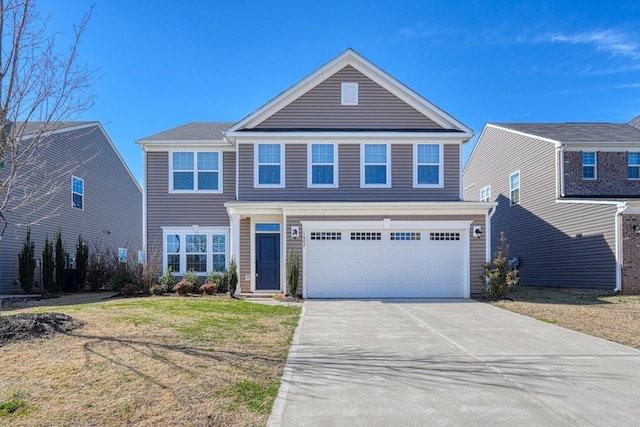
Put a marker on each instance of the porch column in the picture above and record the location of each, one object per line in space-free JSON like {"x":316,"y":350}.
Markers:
{"x":235,"y":246}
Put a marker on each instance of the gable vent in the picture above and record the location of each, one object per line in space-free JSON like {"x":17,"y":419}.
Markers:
{"x":349,"y":94}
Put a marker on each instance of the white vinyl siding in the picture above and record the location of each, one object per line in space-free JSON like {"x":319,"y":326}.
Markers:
{"x":322,"y":167}
{"x":202,"y":251}
{"x":375,"y":165}
{"x":427,"y":165}
{"x":195,"y":172}
{"x":589,"y":162}
{"x":514,"y":188}
{"x":269,"y":165}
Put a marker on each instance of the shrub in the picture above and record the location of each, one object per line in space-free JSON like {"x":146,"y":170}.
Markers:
{"x":191,"y":277}
{"x":100,"y":268}
{"x":82,"y":261}
{"x":48,"y":265}
{"x":61,"y":259}
{"x":122,"y":275}
{"x":293,"y":272}
{"x":129,"y":289}
{"x":209,"y":288}
{"x":232,"y":276}
{"x":215,"y":278}
{"x":498,"y":276}
{"x":27,"y":263}
{"x":156,"y":290}
{"x":183,"y":287}
{"x":167,"y":281}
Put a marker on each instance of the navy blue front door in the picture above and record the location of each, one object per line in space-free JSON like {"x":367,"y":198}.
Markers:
{"x":267,"y":261}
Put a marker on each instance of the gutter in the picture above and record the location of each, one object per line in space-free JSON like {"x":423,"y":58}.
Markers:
{"x":487,"y":227}
{"x":621,"y":208}
{"x":561,"y":149}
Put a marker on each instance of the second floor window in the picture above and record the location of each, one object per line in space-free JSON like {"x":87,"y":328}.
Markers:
{"x":588,"y":165}
{"x":77,"y":192}
{"x":375,"y":170}
{"x":195,"y":171}
{"x":322,"y":170}
{"x":633,"y":168}
{"x":514,"y":188}
{"x":485,"y":194}
{"x":269,"y":170}
{"x":428,"y":171}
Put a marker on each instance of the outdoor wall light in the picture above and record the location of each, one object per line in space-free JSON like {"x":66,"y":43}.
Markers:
{"x":477,"y":231}
{"x":636,"y":229}
{"x":295,"y":232}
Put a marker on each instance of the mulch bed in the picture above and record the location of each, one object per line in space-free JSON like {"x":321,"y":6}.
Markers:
{"x":18,"y":327}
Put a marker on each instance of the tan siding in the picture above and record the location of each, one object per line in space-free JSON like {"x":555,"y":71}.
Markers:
{"x":477,"y":256}
{"x":349,"y":177}
{"x":559,"y":244}
{"x":294,"y":245}
{"x":166,"y":209}
{"x":321,"y":108}
{"x":245,"y":255}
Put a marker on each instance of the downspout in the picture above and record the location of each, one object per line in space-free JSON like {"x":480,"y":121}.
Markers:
{"x":618,"y":243}
{"x":562,"y":148}
{"x":144,"y":207}
{"x":487,"y":227}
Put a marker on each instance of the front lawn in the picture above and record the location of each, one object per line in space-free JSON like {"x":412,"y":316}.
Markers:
{"x":150,"y":361}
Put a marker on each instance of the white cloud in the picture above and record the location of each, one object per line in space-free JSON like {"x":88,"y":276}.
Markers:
{"x":615,"y":42}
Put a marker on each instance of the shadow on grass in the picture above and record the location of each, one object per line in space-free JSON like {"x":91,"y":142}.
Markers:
{"x":566,"y":296}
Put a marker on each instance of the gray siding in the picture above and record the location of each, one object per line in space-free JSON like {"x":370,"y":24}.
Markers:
{"x":349,"y":177}
{"x":112,"y":215}
{"x":611,"y":173}
{"x":558,"y":244}
{"x":170,"y":209}
{"x":245,"y":255}
{"x":321,"y":108}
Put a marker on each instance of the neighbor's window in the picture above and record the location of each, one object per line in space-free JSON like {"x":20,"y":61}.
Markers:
{"x":375,"y":166}
{"x":122,"y":254}
{"x":77,"y":192}
{"x":633,"y":170}
{"x":195,"y":171}
{"x":427,"y":169}
{"x":322,"y":170}
{"x":514,"y":188}
{"x":269,"y":170}
{"x":485,"y":194}
{"x":201,"y":252}
{"x":588,"y":165}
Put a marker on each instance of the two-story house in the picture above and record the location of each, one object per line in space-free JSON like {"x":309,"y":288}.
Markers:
{"x":568,"y":199}
{"x":80,"y":186}
{"x":348,"y":168}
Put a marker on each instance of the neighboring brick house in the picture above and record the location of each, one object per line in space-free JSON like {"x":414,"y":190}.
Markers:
{"x":568,"y":200}
{"x":350,"y":169}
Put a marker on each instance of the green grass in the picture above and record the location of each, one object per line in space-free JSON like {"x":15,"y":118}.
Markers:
{"x":16,"y":405}
{"x":256,"y":397}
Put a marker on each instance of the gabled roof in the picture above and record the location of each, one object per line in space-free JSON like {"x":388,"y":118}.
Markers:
{"x":568,"y":133}
{"x":32,"y":127}
{"x":191,"y":132}
{"x":368,"y":69}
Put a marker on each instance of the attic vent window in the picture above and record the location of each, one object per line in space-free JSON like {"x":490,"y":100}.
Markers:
{"x":349,"y":94}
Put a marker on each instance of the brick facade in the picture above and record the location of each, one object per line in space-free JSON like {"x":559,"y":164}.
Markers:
{"x":611,"y":172}
{"x":630,"y":254}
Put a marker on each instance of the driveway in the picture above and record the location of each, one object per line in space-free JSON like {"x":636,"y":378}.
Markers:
{"x":450,"y":362}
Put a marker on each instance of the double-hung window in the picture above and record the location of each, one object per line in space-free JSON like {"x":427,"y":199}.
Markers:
{"x":485,"y":194}
{"x":322,"y":166}
{"x":77,"y":192}
{"x":514,"y":188}
{"x":269,"y":171}
{"x":202,"y":251}
{"x":589,"y":165}
{"x":195,"y":171}
{"x":427,"y":167}
{"x":375,"y":166}
{"x":633,"y":168}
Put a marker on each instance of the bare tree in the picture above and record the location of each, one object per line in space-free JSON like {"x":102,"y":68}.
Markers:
{"x":40,"y":90}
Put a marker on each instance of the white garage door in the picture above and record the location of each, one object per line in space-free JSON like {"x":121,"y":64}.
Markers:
{"x":386,"y":264}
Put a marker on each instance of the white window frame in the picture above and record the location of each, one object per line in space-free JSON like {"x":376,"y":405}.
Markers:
{"x":195,"y":172}
{"x":512,"y":189}
{"x":594,"y":165}
{"x":363,"y":165}
{"x":349,"y":93}
{"x":310,"y":166}
{"x":440,"y":164}
{"x":256,"y":166}
{"x":633,"y":165}
{"x":73,"y":192}
{"x":485,"y":193}
{"x":182,"y":233}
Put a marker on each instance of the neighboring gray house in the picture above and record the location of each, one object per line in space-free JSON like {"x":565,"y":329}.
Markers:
{"x":98,"y":198}
{"x":350,"y":169}
{"x":568,"y":200}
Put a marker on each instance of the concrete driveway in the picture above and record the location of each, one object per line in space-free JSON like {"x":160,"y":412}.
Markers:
{"x":450,"y":362}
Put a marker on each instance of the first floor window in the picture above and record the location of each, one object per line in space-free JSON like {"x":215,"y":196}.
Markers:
{"x":514,"y":187}
{"x":633,"y":169}
{"x":375,"y":165}
{"x":485,"y":194}
{"x":588,"y":165}
{"x":202,"y":251}
{"x":77,"y":192}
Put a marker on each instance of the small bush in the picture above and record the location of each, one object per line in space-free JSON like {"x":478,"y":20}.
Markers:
{"x":183,"y":287}
{"x":191,"y":277}
{"x":48,"y":265}
{"x":209,"y":288}
{"x":100,"y":268}
{"x":232,"y":276}
{"x":167,"y":281}
{"x":293,"y":272}
{"x":156,"y":290}
{"x":499,"y":277}
{"x":215,"y":278}
{"x":61,"y":260}
{"x":82,"y":262}
{"x":27,"y":263}
{"x":129,"y":289}
{"x":122,"y":276}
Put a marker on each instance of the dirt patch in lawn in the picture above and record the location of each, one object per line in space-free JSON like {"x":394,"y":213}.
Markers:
{"x":28,"y":326}
{"x":594,"y":312}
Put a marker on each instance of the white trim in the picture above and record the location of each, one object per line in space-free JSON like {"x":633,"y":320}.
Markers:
{"x":145,"y":244}
{"x":202,"y":230}
{"x":529,"y":135}
{"x":618,"y":244}
{"x":594,"y":165}
{"x":387,"y":165}
{"x":487,"y":193}
{"x":256,"y":166}
{"x":349,"y":137}
{"x":195,"y":172}
{"x":440,"y":165}
{"x":310,"y":165}
{"x":511,"y":203}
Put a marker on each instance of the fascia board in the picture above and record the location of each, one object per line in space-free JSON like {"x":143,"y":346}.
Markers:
{"x":455,"y":137}
{"x":529,"y":135}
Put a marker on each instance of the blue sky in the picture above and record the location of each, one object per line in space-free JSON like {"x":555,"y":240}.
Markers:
{"x":165,"y":63}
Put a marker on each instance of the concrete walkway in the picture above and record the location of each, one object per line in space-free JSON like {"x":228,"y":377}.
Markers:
{"x":441,"y":362}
